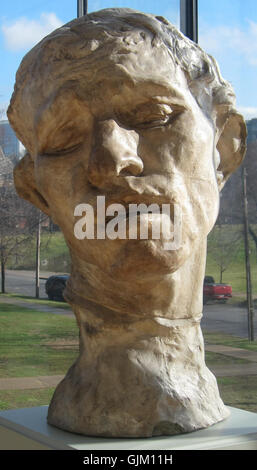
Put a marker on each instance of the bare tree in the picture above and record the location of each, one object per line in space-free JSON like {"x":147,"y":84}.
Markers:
{"x":18,"y":218}
{"x":223,"y":244}
{"x":251,"y":169}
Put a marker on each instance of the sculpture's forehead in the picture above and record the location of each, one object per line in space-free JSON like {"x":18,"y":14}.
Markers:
{"x":105,"y":67}
{"x":122,"y":82}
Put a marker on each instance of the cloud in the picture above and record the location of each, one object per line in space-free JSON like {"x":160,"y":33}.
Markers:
{"x":221,"y":40}
{"x":24,"y":33}
{"x":248,"y":112}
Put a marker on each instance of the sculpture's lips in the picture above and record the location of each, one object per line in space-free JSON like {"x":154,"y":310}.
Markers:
{"x":128,"y":201}
{"x":131,"y":213}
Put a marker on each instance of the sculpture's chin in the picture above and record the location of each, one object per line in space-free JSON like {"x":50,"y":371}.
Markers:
{"x":148,"y":258}
{"x":131,"y":259}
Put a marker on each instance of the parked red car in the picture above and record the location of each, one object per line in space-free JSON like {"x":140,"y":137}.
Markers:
{"x":213,"y":291}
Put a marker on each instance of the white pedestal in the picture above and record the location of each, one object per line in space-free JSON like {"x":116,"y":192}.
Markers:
{"x":27,"y":429}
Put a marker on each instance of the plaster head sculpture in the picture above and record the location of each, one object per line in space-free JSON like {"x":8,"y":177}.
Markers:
{"x":120,"y":104}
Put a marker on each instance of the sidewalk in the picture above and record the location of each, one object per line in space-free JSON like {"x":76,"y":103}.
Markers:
{"x":27,"y":383}
{"x":37,"y":306}
{"x":233,"y":352}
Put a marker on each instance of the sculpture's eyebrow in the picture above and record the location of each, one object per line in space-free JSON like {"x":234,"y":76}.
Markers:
{"x":165,"y":93}
{"x":155,"y":105}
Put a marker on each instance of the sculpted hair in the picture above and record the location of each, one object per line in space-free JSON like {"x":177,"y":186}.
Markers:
{"x":66,"y":55}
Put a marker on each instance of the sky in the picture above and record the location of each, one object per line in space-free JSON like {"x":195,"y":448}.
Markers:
{"x":227,"y":30}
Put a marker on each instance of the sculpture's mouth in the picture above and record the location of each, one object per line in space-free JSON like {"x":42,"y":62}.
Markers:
{"x":129,"y":216}
{"x":130,"y":212}
{"x":130,"y":206}
{"x":140,"y":219}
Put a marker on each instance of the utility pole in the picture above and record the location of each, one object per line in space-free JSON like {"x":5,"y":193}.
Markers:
{"x":189,"y":19}
{"x":2,"y":272}
{"x":38,"y":255}
{"x":81,"y":8}
{"x":247,"y":260}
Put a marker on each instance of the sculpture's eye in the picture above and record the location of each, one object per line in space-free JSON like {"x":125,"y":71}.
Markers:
{"x":163,"y":116}
{"x":62,"y":151}
{"x":150,"y":115}
{"x":155,"y":122}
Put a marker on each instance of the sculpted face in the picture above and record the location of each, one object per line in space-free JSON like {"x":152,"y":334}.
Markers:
{"x":149,"y":142}
{"x":122,"y":121}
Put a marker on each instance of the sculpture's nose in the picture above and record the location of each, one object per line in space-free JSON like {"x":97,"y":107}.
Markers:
{"x":114,"y":153}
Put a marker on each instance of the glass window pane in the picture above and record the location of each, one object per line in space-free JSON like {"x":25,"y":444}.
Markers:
{"x":228,"y":31}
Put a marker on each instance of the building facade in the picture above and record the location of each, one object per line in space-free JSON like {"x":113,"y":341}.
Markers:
{"x":8,"y":141}
{"x":252,"y":130}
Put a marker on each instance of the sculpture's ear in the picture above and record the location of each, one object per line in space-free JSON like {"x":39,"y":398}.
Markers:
{"x":231,"y":146}
{"x":24,"y":180}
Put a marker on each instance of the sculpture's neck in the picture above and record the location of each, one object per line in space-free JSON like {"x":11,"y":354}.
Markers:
{"x":141,"y":369}
{"x":174,"y":296}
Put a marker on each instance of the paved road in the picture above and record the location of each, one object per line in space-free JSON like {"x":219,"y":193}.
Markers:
{"x":217,"y":317}
{"x":228,"y":319}
{"x":23,"y":282}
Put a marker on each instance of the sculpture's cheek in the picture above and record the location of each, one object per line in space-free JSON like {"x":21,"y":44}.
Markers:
{"x":204,"y":201}
{"x":63,"y":183}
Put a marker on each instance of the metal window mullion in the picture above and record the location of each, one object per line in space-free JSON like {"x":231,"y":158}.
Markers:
{"x":81,"y":8}
{"x":189,"y":19}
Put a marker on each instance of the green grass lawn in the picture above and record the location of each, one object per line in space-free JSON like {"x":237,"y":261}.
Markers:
{"x":222,"y":360}
{"x":11,"y":399}
{"x":33,"y":300}
{"x":239,"y":392}
{"x":28,"y":341}
{"x":229,"y":340}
